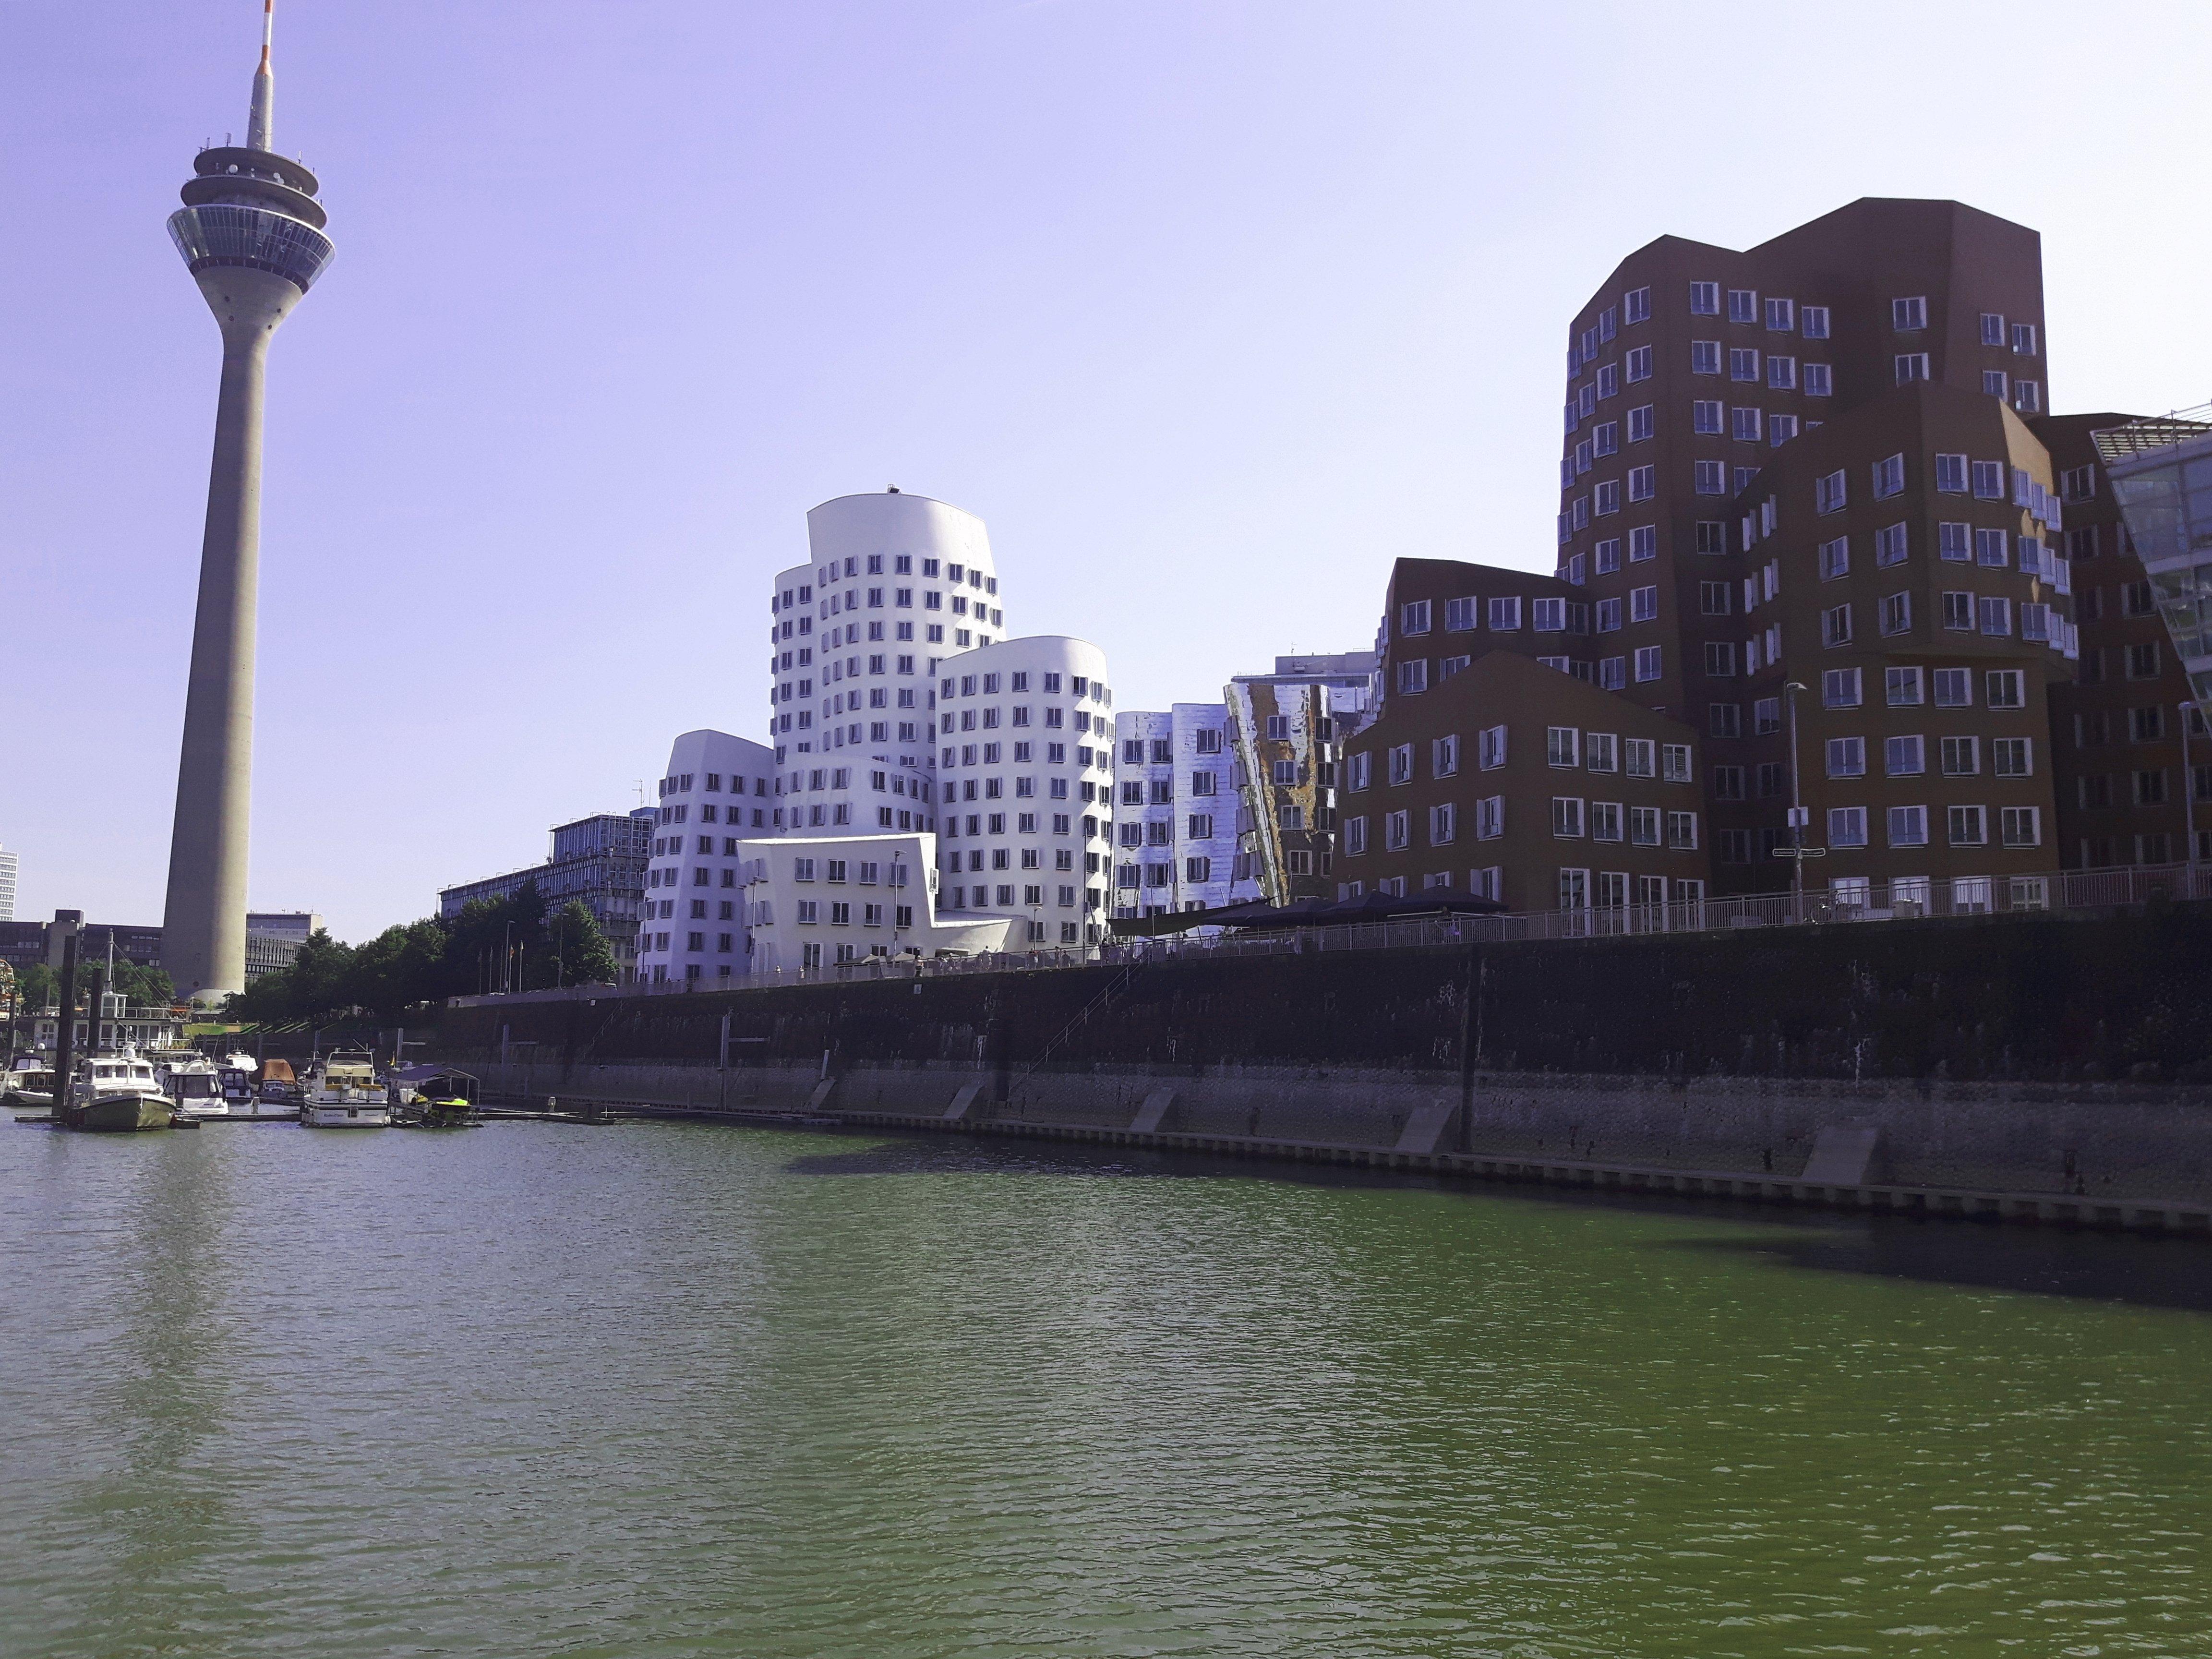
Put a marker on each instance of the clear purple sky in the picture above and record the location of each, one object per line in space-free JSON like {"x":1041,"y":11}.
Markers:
{"x":1208,"y":310}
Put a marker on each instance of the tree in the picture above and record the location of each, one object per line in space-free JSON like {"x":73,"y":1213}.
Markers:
{"x":579,"y":952}
{"x":41,"y":987}
{"x":403,"y":965}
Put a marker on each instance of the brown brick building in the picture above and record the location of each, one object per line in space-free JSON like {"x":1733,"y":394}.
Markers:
{"x":1512,"y":780}
{"x":1900,"y":566}
{"x":2122,"y":785}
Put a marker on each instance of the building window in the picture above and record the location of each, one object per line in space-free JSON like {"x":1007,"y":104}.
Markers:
{"x":1562,"y":746}
{"x":1846,"y":757}
{"x":1458,"y":615}
{"x":1642,"y":483}
{"x":1847,"y":826}
{"x":1968,"y":826}
{"x":1648,"y":664}
{"x":1953,"y":544}
{"x":1720,"y":658}
{"x":1889,"y":478}
{"x":1908,"y":826}
{"x":1414,"y":676}
{"x":2012,"y":758}
{"x":1490,"y":748}
{"x":1829,"y":493}
{"x":1641,"y":423}
{"x":1397,"y":830}
{"x":2020,"y":826}
{"x":1835,"y":558}
{"x":1566,"y":818}
{"x":1840,"y":688}
{"x":1836,"y":626}
{"x":1635,"y":305}
{"x":1644,"y":543}
{"x":1906,"y":316}
{"x":1896,"y":613}
{"x":2027,"y":397}
{"x":1443,"y":823}
{"x":1704,"y":298}
{"x":1710,"y":477}
{"x":1995,"y":615}
{"x":2007,"y":687}
{"x":1705,"y":356}
{"x":1743,"y":425}
{"x":2023,"y":338}
{"x":1912,"y":366}
{"x":1743,"y":364}
{"x":1355,"y":835}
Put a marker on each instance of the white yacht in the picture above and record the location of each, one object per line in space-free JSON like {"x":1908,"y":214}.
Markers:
{"x":343,"y":1092}
{"x":193,"y":1081}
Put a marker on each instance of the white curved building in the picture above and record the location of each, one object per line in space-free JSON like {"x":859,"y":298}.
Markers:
{"x":896,"y":583}
{"x":1025,"y":787}
{"x":718,"y":792}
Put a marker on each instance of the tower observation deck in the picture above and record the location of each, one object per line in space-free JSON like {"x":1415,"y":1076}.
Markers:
{"x":252,"y":233}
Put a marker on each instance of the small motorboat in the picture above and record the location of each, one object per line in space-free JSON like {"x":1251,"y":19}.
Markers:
{"x":192,"y":1080}
{"x":343,"y":1092}
{"x":238,"y":1089}
{"x":279,"y":1088}
{"x":29,"y":1086}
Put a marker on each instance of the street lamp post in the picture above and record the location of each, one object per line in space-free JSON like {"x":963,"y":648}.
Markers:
{"x":1797,"y":814}
{"x":2189,"y":794}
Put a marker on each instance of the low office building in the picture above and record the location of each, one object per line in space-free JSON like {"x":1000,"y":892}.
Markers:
{"x":599,"y":860}
{"x":1175,"y":813}
{"x":715,"y":795}
{"x":812,"y":903}
{"x":1025,"y":779}
{"x":1518,"y":783}
{"x":2122,"y":733}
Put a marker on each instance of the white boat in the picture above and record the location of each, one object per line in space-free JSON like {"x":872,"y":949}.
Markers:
{"x":29,"y":1086}
{"x":343,"y":1092}
{"x":192,"y":1080}
{"x":115,"y":1092}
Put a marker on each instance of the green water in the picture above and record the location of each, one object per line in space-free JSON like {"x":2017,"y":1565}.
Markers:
{"x":671,"y":1390}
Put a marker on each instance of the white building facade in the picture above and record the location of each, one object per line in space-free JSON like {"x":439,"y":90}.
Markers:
{"x":1175,"y":813}
{"x":718,"y":792}
{"x":1025,"y":784}
{"x":894,"y":583}
{"x":813,"y":902}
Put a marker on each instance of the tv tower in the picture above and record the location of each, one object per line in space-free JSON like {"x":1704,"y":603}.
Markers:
{"x":251,"y":232}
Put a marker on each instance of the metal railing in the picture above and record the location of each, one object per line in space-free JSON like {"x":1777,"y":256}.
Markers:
{"x":1845,"y":902}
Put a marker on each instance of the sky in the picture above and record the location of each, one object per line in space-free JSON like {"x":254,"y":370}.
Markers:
{"x":1209,"y":310}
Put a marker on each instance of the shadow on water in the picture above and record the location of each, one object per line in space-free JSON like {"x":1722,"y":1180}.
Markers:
{"x":2088,"y":1266}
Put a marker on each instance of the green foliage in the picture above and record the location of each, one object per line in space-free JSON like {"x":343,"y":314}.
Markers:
{"x":41,"y":987}
{"x":492,"y":943}
{"x":580,"y":954}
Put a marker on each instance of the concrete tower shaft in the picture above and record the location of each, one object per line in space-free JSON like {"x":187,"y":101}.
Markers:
{"x":251,"y":231}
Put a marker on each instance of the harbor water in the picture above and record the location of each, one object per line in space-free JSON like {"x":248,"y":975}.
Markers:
{"x":672,"y":1389}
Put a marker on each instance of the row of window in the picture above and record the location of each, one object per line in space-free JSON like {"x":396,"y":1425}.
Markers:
{"x":1001,"y":896}
{"x":1197,"y":868}
{"x":1906,"y":756}
{"x":1955,"y":543}
{"x":1055,"y":719}
{"x":1160,"y":832}
{"x":1055,"y":754}
{"x":1909,"y":826}
{"x":2094,"y":728}
{"x":1160,"y":791}
{"x":1953,"y":688}
{"x":1743,"y":306}
{"x":1963,"y":613}
{"x":2147,"y":788}
{"x":1572,"y":818}
{"x":1206,"y":740}
{"x":1026,"y":824}
{"x":1565,"y":747}
{"x":1017,"y":681}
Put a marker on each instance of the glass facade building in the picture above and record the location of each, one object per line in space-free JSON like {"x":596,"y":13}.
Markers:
{"x":2161,"y":472}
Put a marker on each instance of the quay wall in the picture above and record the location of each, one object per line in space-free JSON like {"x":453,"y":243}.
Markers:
{"x":2027,"y":1053}
{"x":2108,"y":1140}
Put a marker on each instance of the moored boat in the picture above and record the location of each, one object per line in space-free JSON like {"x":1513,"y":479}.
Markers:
{"x":29,"y":1086}
{"x":343,"y":1092}
{"x":115,"y":1093}
{"x":192,"y":1080}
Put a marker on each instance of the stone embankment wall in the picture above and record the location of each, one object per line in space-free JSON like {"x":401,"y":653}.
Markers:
{"x":2019,"y":1053}
{"x":2112,"y":1140}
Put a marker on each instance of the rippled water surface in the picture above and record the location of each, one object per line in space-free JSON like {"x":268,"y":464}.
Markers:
{"x":673,"y":1391}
